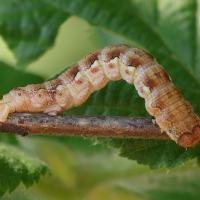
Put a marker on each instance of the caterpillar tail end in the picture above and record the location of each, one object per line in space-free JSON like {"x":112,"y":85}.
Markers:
{"x":190,"y":140}
{"x":4,"y":111}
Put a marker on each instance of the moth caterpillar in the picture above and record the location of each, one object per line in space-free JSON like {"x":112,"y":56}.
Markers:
{"x":163,"y":100}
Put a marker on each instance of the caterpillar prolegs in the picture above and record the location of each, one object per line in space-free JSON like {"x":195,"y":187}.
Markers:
{"x":163,"y":100}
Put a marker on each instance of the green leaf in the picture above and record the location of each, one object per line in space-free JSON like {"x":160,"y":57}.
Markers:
{"x":17,"y":166}
{"x":169,"y":30}
{"x":29,"y":27}
{"x":11,"y":77}
{"x":155,"y":153}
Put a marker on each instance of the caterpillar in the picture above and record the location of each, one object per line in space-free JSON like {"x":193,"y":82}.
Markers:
{"x":163,"y":100}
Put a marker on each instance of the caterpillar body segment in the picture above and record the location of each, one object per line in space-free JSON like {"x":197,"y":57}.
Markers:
{"x":163,"y":100}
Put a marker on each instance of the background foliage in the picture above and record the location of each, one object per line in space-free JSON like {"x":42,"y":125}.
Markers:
{"x":167,"y":29}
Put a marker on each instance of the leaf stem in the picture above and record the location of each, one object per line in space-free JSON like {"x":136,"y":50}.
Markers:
{"x":73,"y":125}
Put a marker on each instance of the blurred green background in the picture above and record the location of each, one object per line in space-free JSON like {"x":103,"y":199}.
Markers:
{"x":81,"y":169}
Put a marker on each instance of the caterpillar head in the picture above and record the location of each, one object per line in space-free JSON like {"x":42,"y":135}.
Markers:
{"x":190,"y":139}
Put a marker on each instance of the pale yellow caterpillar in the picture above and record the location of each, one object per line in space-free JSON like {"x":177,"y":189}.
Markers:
{"x":163,"y":100}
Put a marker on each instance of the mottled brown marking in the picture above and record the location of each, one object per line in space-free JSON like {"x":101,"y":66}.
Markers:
{"x":153,"y":82}
{"x":169,"y":94}
{"x":50,"y":87}
{"x":150,"y":83}
{"x":37,"y":87}
{"x":69,"y":74}
{"x":56,"y":82}
{"x":86,"y":62}
{"x":149,"y":55}
{"x":110,"y":52}
{"x":141,"y":53}
{"x":136,"y":57}
{"x":157,"y":75}
{"x":19,"y":88}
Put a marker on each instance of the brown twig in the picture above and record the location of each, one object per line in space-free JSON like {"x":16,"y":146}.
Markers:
{"x":72,"y":125}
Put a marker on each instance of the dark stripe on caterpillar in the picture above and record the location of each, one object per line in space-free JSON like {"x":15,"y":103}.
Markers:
{"x":163,"y":100}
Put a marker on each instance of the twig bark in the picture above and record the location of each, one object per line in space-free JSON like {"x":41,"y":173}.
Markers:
{"x":72,"y":125}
